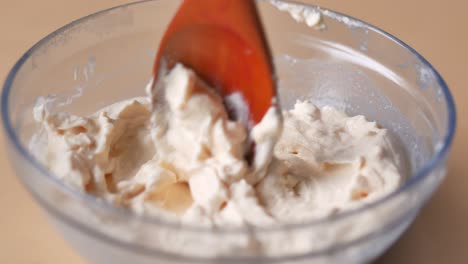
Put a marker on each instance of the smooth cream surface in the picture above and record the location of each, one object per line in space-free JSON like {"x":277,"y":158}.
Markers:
{"x":182,"y":158}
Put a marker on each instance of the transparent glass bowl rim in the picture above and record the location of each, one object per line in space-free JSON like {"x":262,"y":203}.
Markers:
{"x":418,"y":176}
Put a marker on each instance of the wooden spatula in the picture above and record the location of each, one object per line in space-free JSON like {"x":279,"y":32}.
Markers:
{"x":224,"y":43}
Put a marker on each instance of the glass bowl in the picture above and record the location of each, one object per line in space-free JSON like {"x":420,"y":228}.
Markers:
{"x":107,"y":57}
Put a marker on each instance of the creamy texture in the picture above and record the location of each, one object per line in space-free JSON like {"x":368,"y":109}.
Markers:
{"x":182,"y":158}
{"x":301,"y":13}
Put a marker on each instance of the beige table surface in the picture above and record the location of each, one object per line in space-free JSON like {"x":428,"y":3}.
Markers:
{"x":437,"y":29}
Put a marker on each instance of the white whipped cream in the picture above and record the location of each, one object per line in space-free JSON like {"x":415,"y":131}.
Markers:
{"x":183,"y":158}
{"x":301,"y":13}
